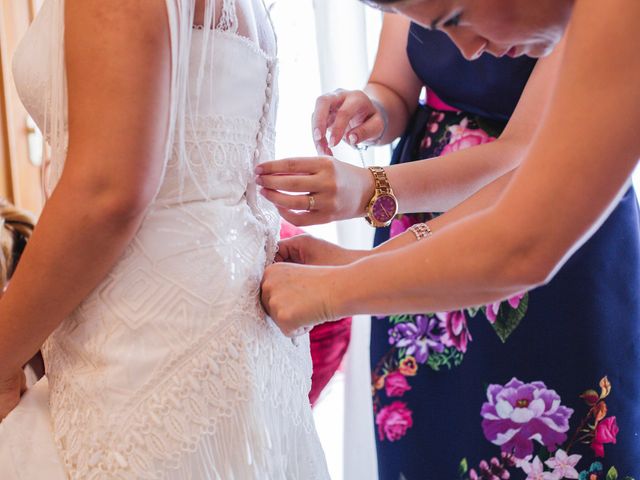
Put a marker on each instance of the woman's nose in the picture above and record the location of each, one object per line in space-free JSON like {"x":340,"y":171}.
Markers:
{"x":470,"y":45}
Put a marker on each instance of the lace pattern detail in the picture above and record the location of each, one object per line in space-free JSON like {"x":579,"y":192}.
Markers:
{"x":220,"y":388}
{"x":219,"y":151}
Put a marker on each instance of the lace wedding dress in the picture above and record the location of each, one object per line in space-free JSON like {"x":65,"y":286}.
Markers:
{"x":170,"y":369}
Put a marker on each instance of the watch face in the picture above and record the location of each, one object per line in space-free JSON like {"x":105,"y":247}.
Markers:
{"x":384,"y":208}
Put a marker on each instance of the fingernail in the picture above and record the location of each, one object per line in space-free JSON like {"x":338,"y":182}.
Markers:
{"x":259,"y":180}
{"x":334,"y":141}
{"x":353,"y":139}
{"x":259,"y":170}
{"x":317,"y":136}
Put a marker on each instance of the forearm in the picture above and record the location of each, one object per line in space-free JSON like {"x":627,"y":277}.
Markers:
{"x":483,"y":199}
{"x":77,"y":241}
{"x":439,"y":184}
{"x":489,"y":264}
{"x":393,"y":82}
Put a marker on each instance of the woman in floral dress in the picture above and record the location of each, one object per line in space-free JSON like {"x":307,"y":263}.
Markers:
{"x":464,"y":394}
{"x":541,"y":386}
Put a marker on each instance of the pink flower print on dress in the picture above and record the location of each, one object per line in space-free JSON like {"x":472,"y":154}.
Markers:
{"x":463,"y":137}
{"x":396,"y":384}
{"x":494,"y":308}
{"x":518,"y":413}
{"x":606,"y":432}
{"x":399,"y":225}
{"x":456,"y":333}
{"x":393,"y":421}
{"x":563,"y":465}
{"x":535,"y":470}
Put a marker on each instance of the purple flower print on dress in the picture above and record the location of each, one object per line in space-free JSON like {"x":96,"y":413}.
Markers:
{"x":518,"y":413}
{"x":456,"y":333}
{"x":418,"y":338}
{"x":493,"y":308}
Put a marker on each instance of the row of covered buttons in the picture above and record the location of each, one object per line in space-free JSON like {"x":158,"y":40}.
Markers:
{"x":268,"y":93}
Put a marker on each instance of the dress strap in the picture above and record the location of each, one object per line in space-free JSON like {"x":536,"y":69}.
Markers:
{"x":228,"y":18}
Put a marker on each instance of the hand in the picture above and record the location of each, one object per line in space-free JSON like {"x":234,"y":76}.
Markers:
{"x":297,"y":297}
{"x":340,"y":190}
{"x":308,"y":250}
{"x":11,"y":389}
{"x":349,"y":114}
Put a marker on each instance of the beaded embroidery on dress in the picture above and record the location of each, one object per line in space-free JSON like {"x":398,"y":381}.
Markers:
{"x":170,"y":369}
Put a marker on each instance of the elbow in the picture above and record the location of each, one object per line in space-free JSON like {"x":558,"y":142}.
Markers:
{"x":119,"y":207}
{"x":512,"y":150}
{"x":532,"y":262}
{"x":113,"y":205}
{"x":536,"y":271}
{"x":116,"y":195}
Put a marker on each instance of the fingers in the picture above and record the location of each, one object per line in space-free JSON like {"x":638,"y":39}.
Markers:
{"x":298,"y":332}
{"x":290,"y":250}
{"x":342,"y":112}
{"x":322,"y":147}
{"x":355,"y":110}
{"x":290,"y":183}
{"x":320,"y":141}
{"x":290,"y":202}
{"x":306,"y":165}
{"x":321,"y":118}
{"x":303,"y":219}
{"x":369,"y":131}
{"x":294,"y":208}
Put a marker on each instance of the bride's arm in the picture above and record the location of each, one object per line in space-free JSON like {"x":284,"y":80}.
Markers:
{"x":118,"y":71}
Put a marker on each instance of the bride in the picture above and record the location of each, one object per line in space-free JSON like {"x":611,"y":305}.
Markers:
{"x":141,"y":280}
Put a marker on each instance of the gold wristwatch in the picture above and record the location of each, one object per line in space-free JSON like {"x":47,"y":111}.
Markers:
{"x":383,"y":206}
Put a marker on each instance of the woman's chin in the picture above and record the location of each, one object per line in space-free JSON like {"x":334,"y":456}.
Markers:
{"x":535,"y":51}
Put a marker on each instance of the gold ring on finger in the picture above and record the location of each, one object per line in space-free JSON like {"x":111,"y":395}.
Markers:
{"x":312,"y":202}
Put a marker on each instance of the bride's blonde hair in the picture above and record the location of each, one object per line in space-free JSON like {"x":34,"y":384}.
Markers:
{"x":16,"y":226}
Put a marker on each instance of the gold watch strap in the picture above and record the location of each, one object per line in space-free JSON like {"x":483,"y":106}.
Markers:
{"x":381,"y":181}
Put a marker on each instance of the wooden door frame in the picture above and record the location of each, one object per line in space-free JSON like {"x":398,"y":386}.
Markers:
{"x":7,"y":159}
{"x":20,"y":179}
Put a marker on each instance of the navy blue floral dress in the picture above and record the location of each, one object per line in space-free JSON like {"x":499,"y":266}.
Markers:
{"x":545,"y":385}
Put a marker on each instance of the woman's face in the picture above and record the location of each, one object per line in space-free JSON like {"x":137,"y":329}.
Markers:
{"x":499,"y":27}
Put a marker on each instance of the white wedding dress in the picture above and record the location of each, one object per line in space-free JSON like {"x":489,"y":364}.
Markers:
{"x":170,"y":369}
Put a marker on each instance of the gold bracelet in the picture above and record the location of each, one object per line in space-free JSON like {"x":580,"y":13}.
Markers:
{"x":420,"y":230}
